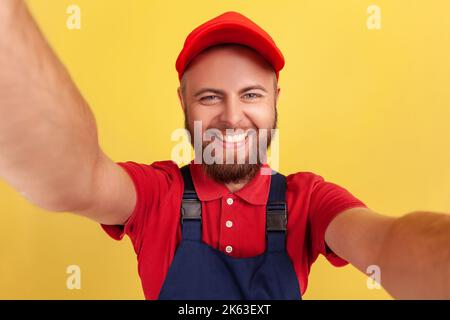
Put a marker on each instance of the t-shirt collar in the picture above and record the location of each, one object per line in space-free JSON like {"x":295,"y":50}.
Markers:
{"x":256,"y":191}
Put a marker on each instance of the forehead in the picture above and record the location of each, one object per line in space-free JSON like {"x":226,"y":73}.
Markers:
{"x":227,"y":67}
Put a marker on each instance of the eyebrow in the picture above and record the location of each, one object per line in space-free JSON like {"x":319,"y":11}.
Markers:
{"x":217,"y":91}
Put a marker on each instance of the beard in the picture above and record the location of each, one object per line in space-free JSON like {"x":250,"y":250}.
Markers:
{"x":231,"y":173}
{"x":235,"y":172}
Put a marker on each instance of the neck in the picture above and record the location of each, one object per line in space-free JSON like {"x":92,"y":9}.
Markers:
{"x":233,"y":187}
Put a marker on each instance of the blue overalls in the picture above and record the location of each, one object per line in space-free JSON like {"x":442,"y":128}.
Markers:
{"x":201,"y":272}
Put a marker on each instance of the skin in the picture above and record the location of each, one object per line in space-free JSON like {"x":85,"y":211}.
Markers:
{"x":230,"y":87}
{"x":48,"y":136}
{"x":50,"y":154}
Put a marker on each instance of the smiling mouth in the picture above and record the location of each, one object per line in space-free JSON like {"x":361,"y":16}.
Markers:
{"x":232,"y":141}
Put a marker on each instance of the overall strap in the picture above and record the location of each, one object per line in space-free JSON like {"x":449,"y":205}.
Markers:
{"x":191,"y":209}
{"x":276,"y":213}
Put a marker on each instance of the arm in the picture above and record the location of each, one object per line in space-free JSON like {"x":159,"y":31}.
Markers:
{"x":413,"y":251}
{"x":48,"y":137}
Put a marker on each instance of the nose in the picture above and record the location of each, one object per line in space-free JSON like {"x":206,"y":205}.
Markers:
{"x":232,"y":113}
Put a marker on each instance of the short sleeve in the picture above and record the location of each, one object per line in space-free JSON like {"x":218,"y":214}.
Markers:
{"x":151,"y":183}
{"x":327,"y":201}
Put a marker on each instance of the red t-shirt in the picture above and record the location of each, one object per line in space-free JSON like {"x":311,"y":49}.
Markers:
{"x":233,"y":220}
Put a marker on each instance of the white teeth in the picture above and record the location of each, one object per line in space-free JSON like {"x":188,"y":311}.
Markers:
{"x":235,"y":138}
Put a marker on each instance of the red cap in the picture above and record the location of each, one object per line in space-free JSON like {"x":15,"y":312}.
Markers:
{"x":230,"y":27}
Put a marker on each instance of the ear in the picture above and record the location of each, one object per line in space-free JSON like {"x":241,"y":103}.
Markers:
{"x":278,"y":94}
{"x":180,"y":97}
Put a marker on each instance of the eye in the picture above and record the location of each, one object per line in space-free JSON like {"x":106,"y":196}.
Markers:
{"x":208,"y":98}
{"x":252,"y":95}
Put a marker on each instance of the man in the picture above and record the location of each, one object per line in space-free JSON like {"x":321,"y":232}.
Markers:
{"x":233,"y":241}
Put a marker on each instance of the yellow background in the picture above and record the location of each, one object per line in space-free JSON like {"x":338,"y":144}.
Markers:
{"x":366,"y":109}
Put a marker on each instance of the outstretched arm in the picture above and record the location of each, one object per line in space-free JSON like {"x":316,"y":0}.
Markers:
{"x":49,"y":149}
{"x":412,"y":252}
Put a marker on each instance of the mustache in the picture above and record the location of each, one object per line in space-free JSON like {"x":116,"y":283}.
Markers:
{"x":225,"y":129}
